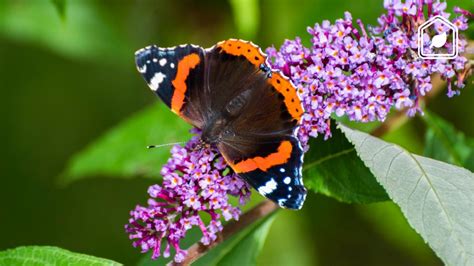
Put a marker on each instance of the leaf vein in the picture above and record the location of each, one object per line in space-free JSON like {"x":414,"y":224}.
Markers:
{"x":327,"y":158}
{"x":425,"y":175}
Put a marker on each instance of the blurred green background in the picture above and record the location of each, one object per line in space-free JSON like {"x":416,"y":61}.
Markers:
{"x":67,"y":75}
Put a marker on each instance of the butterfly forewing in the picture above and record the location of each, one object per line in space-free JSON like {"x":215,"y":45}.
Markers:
{"x":174,"y":74}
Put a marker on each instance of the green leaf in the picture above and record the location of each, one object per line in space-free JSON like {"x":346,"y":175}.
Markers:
{"x":332,"y":167}
{"x":122,"y":151}
{"x":87,"y":34}
{"x":443,"y":142}
{"x":242,"y":248}
{"x":246,"y":17}
{"x":435,"y":197}
{"x":60,"y":7}
{"x":44,"y":255}
{"x":388,"y":221}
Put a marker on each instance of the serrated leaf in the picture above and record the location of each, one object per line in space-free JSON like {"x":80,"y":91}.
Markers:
{"x":122,"y":151}
{"x":45,"y":255}
{"x":242,"y":248}
{"x":332,"y":167}
{"x":435,"y":197}
{"x":443,"y":142}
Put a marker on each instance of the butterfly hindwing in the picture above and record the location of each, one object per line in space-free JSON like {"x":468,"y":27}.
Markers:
{"x":278,"y":175}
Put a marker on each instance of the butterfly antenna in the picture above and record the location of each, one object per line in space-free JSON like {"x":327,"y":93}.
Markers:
{"x":164,"y":145}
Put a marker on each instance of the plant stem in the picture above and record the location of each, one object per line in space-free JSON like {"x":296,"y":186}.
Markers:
{"x":197,"y":250}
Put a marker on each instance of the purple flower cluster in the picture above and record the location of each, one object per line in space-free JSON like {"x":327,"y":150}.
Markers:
{"x":360,"y":72}
{"x":196,"y":180}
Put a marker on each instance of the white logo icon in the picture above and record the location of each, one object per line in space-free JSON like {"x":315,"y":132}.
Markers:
{"x":430,"y":48}
{"x":439,"y":40}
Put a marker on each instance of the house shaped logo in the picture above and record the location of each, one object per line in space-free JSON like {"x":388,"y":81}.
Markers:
{"x":443,"y":45}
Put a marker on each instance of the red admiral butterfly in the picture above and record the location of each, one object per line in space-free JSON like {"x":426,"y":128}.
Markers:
{"x":249,"y":112}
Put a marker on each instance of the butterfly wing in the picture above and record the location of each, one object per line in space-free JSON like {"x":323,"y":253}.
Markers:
{"x":176,"y":75}
{"x":278,"y":175}
{"x":263,"y":111}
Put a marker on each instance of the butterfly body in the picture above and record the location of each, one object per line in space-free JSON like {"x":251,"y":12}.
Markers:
{"x":247,"y":111}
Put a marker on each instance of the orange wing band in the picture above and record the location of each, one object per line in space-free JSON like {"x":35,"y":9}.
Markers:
{"x":185,"y":65}
{"x":282,"y":155}
{"x":247,"y":49}
{"x":292,"y":101}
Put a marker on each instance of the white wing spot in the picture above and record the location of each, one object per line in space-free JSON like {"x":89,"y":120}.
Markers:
{"x":147,"y":61}
{"x":142,"y":69}
{"x":156,"y":80}
{"x":281,"y":202}
{"x":162,"y":61}
{"x":287,"y":180}
{"x":269,"y":187}
{"x":282,"y":170}
{"x":290,"y":188}
{"x":172,"y":65}
{"x":155,"y":60}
